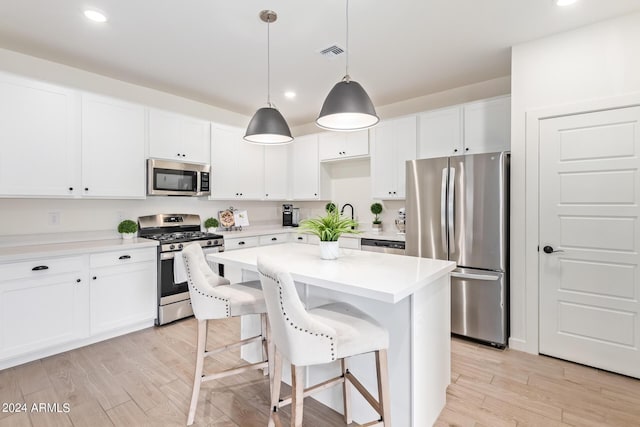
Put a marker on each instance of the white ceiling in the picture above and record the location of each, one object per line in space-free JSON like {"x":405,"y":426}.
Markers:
{"x":215,"y":51}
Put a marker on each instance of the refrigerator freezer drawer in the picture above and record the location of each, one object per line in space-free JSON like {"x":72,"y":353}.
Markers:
{"x":479,"y":305}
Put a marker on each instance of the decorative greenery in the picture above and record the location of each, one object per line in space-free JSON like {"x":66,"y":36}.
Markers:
{"x":330,"y":207}
{"x":211,"y":223}
{"x":127,"y":226}
{"x":376,"y":209}
{"x":329,"y":228}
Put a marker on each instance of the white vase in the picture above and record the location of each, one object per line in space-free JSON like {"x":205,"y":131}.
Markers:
{"x":212,"y":230}
{"x":128,"y":235}
{"x":329,"y":250}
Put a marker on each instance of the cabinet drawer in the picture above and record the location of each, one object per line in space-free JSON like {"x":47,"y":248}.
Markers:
{"x":40,"y":268}
{"x":127,"y":256}
{"x":349,"y":242}
{"x":272,"y":239}
{"x":240,"y":243}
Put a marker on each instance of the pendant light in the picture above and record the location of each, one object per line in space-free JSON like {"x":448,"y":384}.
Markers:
{"x":267,"y":126}
{"x":347,"y":107}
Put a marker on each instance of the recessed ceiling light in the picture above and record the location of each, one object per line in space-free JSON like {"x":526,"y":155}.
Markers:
{"x":95,"y":15}
{"x":565,"y":2}
{"x":289,"y":94}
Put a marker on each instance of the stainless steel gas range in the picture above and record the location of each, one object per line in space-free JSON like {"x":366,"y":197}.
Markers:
{"x":173,"y":231}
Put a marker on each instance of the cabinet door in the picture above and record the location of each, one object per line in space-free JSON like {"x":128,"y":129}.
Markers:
{"x":276,"y":172}
{"x":40,"y":139}
{"x":196,"y":139}
{"x":39,"y":313}
{"x":224,"y":163}
{"x":440,"y":133}
{"x":487,"y":126}
{"x":305,"y":168}
{"x":113,"y":137}
{"x":341,"y":145}
{"x":406,"y":140}
{"x":122,"y":296}
{"x":164,"y":135}
{"x":250,"y":175}
{"x":383,"y":165}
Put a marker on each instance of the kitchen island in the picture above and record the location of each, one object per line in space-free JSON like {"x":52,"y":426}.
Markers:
{"x":409,"y":296}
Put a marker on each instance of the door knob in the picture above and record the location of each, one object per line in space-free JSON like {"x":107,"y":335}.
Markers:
{"x":550,"y":250}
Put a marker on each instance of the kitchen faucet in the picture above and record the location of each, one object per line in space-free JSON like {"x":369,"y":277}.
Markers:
{"x":342,"y":212}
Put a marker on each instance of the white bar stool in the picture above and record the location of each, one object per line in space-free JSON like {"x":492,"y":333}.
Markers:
{"x":321,"y":335}
{"x":212,"y":297}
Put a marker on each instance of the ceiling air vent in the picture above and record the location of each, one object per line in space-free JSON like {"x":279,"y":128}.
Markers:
{"x":332,"y":51}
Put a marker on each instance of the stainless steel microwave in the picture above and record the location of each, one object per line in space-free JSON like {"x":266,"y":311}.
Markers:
{"x":170,"y":178}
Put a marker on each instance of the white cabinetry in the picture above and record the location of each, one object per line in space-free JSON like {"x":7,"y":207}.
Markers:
{"x":43,"y":303}
{"x":472,"y":128}
{"x":176,"y":137}
{"x":237,"y":167}
{"x":39,"y":137}
{"x":123,"y":288}
{"x":113,"y":142}
{"x":393,"y":142}
{"x":307,"y":178}
{"x":276,"y":172}
{"x":342,"y":145}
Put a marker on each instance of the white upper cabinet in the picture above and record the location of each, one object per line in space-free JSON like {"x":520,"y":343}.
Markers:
{"x":113,"y":143}
{"x":237,"y":167}
{"x":276,"y":172}
{"x":305,"y":168}
{"x":343,"y":145}
{"x":393,"y":142}
{"x":487,"y":125}
{"x":441,"y":133}
{"x":177,"y":137}
{"x":39,"y":136}
{"x":476,"y":127}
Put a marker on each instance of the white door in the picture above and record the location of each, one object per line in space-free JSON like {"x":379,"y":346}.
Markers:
{"x":589,"y":196}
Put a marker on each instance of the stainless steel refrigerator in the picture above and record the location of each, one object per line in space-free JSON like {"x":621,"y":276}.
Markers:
{"x":457,"y":209}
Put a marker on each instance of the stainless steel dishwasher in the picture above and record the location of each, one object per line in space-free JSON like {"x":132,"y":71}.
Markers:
{"x":386,"y":246}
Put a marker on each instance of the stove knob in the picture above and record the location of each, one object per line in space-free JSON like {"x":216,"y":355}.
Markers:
{"x":172,"y":247}
{"x":180,"y":246}
{"x":209,"y":243}
{"x":215,"y":242}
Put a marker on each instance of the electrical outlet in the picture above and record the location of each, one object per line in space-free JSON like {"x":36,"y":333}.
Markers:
{"x":54,"y":218}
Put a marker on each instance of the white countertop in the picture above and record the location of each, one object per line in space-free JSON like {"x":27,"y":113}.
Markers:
{"x":261,"y":230}
{"x":10,"y":253}
{"x":379,"y":276}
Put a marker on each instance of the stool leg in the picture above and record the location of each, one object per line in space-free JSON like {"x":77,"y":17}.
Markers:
{"x":297,"y":395}
{"x":265,"y":342}
{"x":346,"y":394}
{"x":197,"y":376}
{"x":275,"y":380}
{"x":383,"y":386}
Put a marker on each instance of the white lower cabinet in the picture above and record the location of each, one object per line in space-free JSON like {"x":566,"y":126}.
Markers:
{"x":49,"y":305}
{"x":123,"y":289}
{"x":42,"y":304}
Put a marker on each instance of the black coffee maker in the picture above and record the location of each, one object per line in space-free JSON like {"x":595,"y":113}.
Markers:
{"x":290,"y":216}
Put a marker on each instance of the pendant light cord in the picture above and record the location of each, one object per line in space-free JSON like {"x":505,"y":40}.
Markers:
{"x":346,"y":77}
{"x":268,"y":63}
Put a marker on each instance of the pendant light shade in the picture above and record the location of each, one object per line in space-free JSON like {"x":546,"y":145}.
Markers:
{"x":268,"y":126}
{"x":347,"y":107}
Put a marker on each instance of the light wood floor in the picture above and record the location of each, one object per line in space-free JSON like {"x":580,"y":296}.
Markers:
{"x":144,"y":379}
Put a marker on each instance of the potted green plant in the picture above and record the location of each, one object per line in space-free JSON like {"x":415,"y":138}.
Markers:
{"x":330,"y":207}
{"x":211,"y":224}
{"x":127,"y":229}
{"x":376,"y":209}
{"x":329,"y":228}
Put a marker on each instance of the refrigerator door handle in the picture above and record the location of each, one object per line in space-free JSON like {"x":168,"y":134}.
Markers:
{"x":443,"y":210}
{"x":450,"y":201}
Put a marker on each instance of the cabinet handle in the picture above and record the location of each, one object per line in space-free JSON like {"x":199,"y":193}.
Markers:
{"x":94,"y":277}
{"x":394,"y":192}
{"x":78,"y":280}
{"x":184,"y":155}
{"x":466,"y":149}
{"x":125,"y":257}
{"x":40,"y":268}
{"x":315,"y":194}
{"x":240,"y":243}
{"x":455,"y":150}
{"x":86,"y":188}
{"x":70,"y":188}
{"x":273,"y":239}
{"x":178,"y":154}
{"x":300,"y":238}
{"x":266,"y":195}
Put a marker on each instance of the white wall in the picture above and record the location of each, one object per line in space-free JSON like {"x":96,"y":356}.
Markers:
{"x":592,"y":63}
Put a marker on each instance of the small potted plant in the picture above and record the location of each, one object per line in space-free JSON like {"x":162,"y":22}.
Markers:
{"x":211,"y":224}
{"x":329,"y":228}
{"x":376,"y":209}
{"x":330,"y":207}
{"x":127,"y":229}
